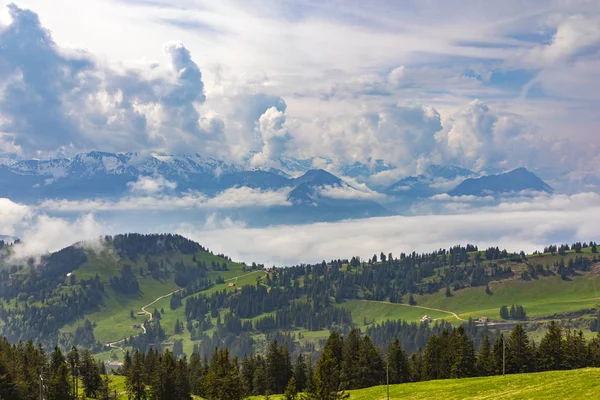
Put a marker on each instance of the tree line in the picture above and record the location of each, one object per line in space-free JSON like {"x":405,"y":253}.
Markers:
{"x":347,"y":362}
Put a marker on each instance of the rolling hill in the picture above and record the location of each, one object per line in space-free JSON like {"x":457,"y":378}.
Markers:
{"x":129,"y":283}
{"x":577,"y":384}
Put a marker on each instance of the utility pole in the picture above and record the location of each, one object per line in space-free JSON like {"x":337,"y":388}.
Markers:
{"x":387,"y":376}
{"x":41,"y":387}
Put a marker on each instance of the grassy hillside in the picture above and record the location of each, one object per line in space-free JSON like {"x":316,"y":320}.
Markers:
{"x":577,"y":384}
{"x":545,"y":296}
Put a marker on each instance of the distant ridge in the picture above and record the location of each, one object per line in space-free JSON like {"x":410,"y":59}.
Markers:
{"x":517,"y":180}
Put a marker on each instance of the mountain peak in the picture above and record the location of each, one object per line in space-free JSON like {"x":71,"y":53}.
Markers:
{"x":516,"y":180}
{"x":318,"y":177}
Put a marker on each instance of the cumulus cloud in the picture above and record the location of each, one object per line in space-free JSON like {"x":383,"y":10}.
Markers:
{"x":574,"y":35}
{"x":477,"y":138}
{"x":51,"y":98}
{"x":274,"y":136}
{"x":401,"y":134}
{"x":12,"y":215}
{"x":151,"y":185}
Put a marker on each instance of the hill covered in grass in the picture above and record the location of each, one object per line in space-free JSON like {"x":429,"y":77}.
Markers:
{"x":141,"y":291}
{"x":576,"y":384}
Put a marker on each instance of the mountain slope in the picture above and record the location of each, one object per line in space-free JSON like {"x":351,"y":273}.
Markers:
{"x":433,"y":181}
{"x":514,"y":181}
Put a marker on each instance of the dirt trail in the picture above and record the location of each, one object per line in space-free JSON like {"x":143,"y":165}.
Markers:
{"x":424,"y":308}
{"x":149,"y":314}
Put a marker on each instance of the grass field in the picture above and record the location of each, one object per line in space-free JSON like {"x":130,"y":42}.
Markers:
{"x":544,"y":296}
{"x":577,"y":384}
{"x":376,"y":312}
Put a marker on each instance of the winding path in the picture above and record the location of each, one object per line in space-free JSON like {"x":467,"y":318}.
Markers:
{"x":114,"y":345}
{"x":424,"y":308}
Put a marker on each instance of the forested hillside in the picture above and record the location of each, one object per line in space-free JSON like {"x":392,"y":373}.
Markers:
{"x":347,"y":363}
{"x":166,"y":292}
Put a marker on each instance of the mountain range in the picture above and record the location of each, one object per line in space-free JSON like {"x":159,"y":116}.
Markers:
{"x":312,"y":194}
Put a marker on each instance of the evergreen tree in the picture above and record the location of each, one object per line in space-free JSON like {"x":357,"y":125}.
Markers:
{"x":485,"y":359}
{"x":8,"y":390}
{"x":300,"y":373}
{"x":135,"y":378}
{"x":593,"y":351}
{"x":504,"y":314}
{"x":223,"y":380}
{"x":411,"y":300}
{"x":519,"y":356}
{"x":462,"y":354}
{"x":372,"y":371}
{"x":90,"y":374}
{"x":279,"y":368}
{"x":291,"y":392}
{"x":327,"y":381}
{"x":574,"y":350}
{"x":59,"y":386}
{"x":397,"y":363}
{"x":416,"y":366}
{"x":196,"y":375}
{"x":73,"y":362}
{"x":550,"y":351}
{"x":351,"y":368}
{"x":163,"y":381}
{"x":498,"y":351}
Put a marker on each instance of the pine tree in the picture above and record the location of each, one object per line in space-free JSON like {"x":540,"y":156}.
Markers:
{"x":90,"y":374}
{"x":411,"y":300}
{"x":550,"y":351}
{"x":164,"y":379}
{"x":485,"y":360}
{"x":8,"y":390}
{"x":519,"y":356}
{"x":291,"y":392}
{"x":462,"y":354}
{"x":593,"y":351}
{"x":504,"y":314}
{"x":351,"y":368}
{"x":59,"y":387}
{"x":279,"y":368}
{"x":498,"y":350}
{"x":397,"y":360}
{"x":327,"y":381}
{"x":372,"y":370}
{"x":135,"y":378}
{"x":223,"y":380}
{"x":73,"y":362}
{"x":574,"y":350}
{"x":300,"y":373}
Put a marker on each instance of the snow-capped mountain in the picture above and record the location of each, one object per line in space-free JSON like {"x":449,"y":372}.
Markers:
{"x":437,"y":179}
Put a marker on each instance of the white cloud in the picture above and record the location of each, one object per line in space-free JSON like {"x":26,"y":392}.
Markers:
{"x":237,"y":197}
{"x":49,"y":234}
{"x":361,"y":192}
{"x":551,"y":220}
{"x":151,"y":185}
{"x":12,"y":215}
{"x":274,"y":136}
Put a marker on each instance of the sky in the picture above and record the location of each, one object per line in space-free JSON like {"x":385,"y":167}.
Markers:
{"x":482,"y":85}
{"x":487,"y":86}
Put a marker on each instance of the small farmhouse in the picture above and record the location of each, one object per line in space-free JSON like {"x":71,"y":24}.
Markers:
{"x":426,"y":318}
